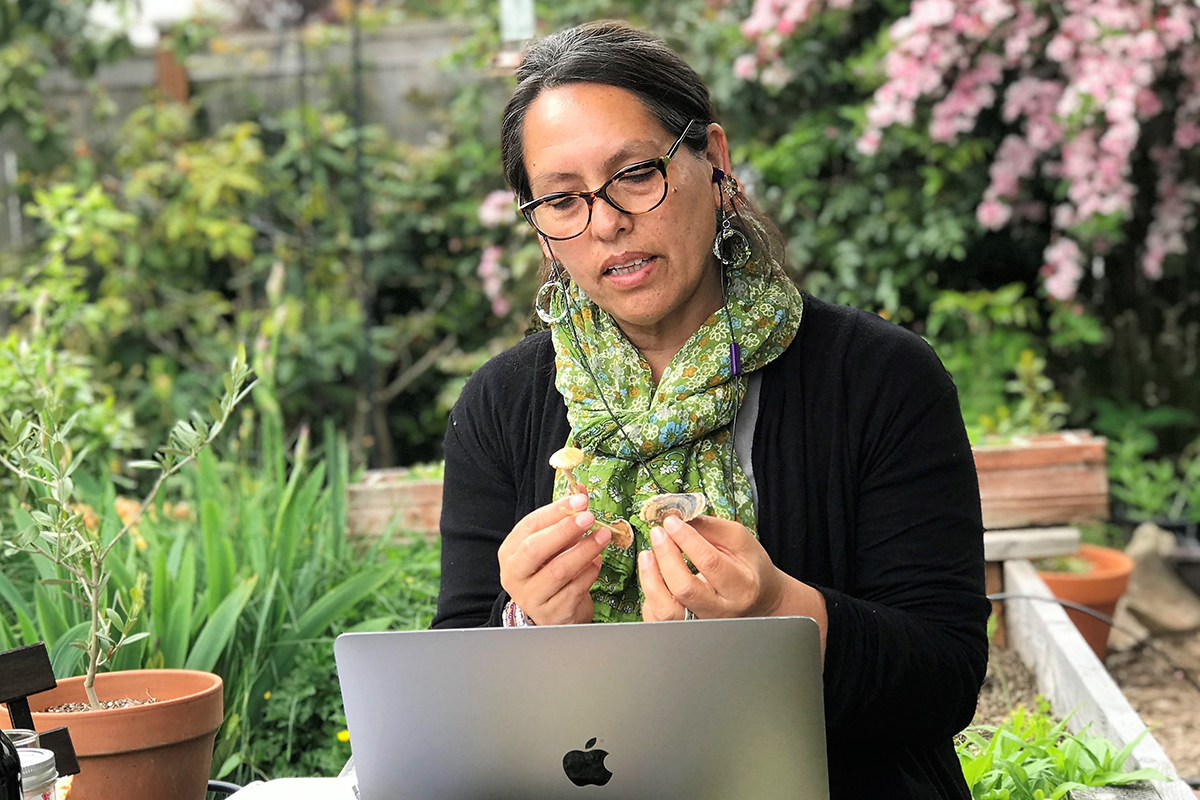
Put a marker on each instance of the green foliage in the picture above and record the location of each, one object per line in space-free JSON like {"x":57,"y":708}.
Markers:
{"x":1154,"y":488}
{"x":37,"y":36}
{"x":1031,"y":756}
{"x":302,"y":729}
{"x":186,"y":244}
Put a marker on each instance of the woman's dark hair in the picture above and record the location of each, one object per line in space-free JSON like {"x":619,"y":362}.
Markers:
{"x":616,"y":54}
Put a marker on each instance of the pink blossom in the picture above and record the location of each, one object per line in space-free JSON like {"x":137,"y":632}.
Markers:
{"x":497,"y":208}
{"x":1187,"y":135}
{"x":1076,"y":83}
{"x":745,"y":67}
{"x":993,"y":215}
{"x":868,"y":143}
{"x":1060,"y":49}
{"x":776,"y":75}
{"x":1063,"y":269}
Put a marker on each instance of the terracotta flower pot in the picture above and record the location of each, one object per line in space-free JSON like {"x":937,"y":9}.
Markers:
{"x":1098,"y":589}
{"x":157,"y":751}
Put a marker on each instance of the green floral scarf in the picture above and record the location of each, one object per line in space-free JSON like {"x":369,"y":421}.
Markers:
{"x":680,"y":428}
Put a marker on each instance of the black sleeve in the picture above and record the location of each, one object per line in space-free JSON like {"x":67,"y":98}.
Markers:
{"x":479,"y":502}
{"x":907,"y":652}
{"x":475,"y":494}
{"x":496,"y":443}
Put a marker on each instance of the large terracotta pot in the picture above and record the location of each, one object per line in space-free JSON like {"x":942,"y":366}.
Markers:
{"x":1098,"y":589}
{"x":157,"y":751}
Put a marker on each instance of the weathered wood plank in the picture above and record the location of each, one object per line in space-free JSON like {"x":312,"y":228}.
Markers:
{"x":1044,"y":482}
{"x":1064,"y":448}
{"x":1005,"y":545}
{"x":994,"y":577}
{"x":1073,"y":679}
{"x":1000,"y":513}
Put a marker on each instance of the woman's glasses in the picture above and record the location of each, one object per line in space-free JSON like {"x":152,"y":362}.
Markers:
{"x":636,"y":189}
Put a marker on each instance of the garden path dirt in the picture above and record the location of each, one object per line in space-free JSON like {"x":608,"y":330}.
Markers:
{"x":1163,"y":697}
{"x":1161,"y":694}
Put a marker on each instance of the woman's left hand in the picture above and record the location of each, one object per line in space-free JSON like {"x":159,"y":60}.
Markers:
{"x":736,"y":577}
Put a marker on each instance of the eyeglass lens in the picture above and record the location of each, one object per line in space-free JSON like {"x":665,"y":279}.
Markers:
{"x":633,"y":191}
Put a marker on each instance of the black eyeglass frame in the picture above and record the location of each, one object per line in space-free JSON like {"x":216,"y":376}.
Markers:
{"x":661,"y":163}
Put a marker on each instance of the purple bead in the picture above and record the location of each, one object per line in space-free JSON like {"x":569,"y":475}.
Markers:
{"x":735,"y":359}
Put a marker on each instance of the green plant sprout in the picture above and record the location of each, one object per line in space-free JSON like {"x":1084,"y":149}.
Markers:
{"x":37,"y":452}
{"x":1031,"y":756}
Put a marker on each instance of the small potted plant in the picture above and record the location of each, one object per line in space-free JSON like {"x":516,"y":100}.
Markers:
{"x":138,"y":733}
{"x":1095,"y":577}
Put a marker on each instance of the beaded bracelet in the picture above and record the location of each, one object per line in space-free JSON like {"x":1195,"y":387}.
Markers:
{"x":514,"y":617}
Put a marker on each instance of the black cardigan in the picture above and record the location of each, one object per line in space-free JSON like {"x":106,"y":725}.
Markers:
{"x":867,"y":491}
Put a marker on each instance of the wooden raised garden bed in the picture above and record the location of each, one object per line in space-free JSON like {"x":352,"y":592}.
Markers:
{"x":1050,"y":479}
{"x":393,"y":500}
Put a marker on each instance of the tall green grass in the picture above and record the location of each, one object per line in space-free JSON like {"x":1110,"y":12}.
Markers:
{"x":246,"y":572}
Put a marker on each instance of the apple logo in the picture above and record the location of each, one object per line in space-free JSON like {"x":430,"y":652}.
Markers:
{"x":586,"y":767}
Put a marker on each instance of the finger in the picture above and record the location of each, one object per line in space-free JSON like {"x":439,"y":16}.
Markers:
{"x":660,"y":603}
{"x":725,"y":534}
{"x":564,"y":568}
{"x":683,"y":585}
{"x":538,"y":548}
{"x":564,"y":603}
{"x":547,"y":515}
{"x":704,"y":555}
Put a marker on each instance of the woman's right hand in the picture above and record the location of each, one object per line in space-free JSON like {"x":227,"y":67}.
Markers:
{"x":547,"y":565}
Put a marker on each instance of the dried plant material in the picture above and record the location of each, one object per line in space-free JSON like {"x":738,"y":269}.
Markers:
{"x":565,"y":460}
{"x":685,"y":506}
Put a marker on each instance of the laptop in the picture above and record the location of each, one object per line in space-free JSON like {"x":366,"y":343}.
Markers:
{"x":696,"y":710}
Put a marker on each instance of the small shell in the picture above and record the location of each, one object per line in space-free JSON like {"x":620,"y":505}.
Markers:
{"x":622,"y":534}
{"x":685,"y":506}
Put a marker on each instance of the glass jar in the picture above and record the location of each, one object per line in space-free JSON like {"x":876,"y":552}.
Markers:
{"x":39,"y":774}
{"x":23,"y":737}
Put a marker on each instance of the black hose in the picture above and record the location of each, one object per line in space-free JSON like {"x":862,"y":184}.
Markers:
{"x":1091,"y":612}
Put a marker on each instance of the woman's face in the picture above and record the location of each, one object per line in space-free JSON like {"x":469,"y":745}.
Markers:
{"x":653,"y":272}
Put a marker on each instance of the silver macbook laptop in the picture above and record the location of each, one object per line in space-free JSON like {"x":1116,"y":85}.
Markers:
{"x":697,"y":710}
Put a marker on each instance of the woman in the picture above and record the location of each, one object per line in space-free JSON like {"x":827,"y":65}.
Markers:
{"x":828,"y":443}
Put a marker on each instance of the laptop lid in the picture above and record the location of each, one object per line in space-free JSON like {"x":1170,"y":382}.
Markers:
{"x":697,"y":710}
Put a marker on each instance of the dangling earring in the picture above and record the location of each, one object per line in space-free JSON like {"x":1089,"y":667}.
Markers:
{"x":731,"y":247}
{"x":554,"y":282}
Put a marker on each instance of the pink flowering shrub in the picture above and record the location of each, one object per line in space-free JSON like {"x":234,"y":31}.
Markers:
{"x":1081,"y":90}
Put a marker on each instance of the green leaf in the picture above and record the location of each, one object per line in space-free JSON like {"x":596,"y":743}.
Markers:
{"x":67,"y":660}
{"x":219,"y":628}
{"x":176,"y":634}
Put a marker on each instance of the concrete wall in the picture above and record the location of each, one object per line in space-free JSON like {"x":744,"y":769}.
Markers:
{"x":405,"y":85}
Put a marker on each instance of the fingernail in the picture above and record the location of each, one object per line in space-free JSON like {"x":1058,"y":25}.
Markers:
{"x":644,"y":559}
{"x":657,"y":536}
{"x":585,"y":520}
{"x":578,"y":501}
{"x":672,"y":523}
{"x":603,"y":535}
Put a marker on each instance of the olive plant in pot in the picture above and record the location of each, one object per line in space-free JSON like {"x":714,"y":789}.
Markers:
{"x":143,"y":733}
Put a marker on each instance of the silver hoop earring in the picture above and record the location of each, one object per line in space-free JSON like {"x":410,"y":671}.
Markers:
{"x":543,"y":312}
{"x":731,"y":247}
